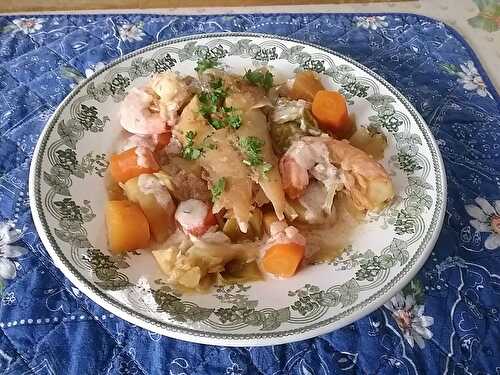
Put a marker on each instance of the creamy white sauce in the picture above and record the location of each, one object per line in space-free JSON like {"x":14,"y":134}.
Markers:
{"x":191,"y":214}
{"x":314,"y":157}
{"x":135,"y":140}
{"x":308,"y":154}
{"x":142,"y":160}
{"x":277,"y":227}
{"x":332,"y":180}
{"x":173,"y":92}
{"x":313,"y":201}
{"x":149,"y":184}
{"x":281,"y":233}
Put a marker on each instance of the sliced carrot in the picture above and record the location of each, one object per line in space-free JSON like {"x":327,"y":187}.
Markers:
{"x":330,"y":110}
{"x":305,"y":85}
{"x":163,"y":139}
{"x":283,"y":259}
{"x":127,"y":226}
{"x":132,"y":163}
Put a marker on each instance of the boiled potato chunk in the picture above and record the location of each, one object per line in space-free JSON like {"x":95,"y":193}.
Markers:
{"x":128,"y":228}
{"x":155,"y":201}
{"x":306,"y":85}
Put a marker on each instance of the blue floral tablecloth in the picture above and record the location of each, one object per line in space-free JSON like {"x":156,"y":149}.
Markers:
{"x":446,"y":321}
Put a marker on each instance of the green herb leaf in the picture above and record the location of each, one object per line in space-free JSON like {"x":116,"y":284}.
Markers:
{"x":190,"y":152}
{"x":213,"y":110}
{"x":217,"y":88}
{"x":232,"y":118}
{"x":258,"y":78}
{"x":190,"y":136}
{"x":266,"y":167}
{"x":216,"y":123}
{"x":252,"y":148}
{"x":206,"y":63}
{"x":218,"y":188}
{"x":208,"y":104}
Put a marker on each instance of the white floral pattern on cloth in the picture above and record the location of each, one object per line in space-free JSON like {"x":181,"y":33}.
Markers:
{"x":235,"y":369}
{"x":29,"y":25}
{"x":8,"y":236}
{"x":471,"y":80}
{"x":411,"y":319}
{"x":130,"y":32}
{"x":371,"y":22}
{"x":486,"y":219}
{"x":9,"y":298}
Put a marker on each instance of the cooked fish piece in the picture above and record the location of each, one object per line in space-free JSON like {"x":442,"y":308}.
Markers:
{"x":226,"y":162}
{"x":254,"y":124}
{"x":191,"y":120}
{"x":221,"y":160}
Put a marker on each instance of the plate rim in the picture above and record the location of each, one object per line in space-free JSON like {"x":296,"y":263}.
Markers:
{"x":227,"y":339}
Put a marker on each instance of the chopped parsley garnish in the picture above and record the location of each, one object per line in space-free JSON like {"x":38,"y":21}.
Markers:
{"x":266,"y":167}
{"x":260,"y":79}
{"x":217,"y":88}
{"x":206,"y":63}
{"x":218,"y":188}
{"x":252,"y":149}
{"x":232,"y":118}
{"x":213,"y":110}
{"x":190,"y":152}
{"x":217,"y":123}
{"x":208,"y":103}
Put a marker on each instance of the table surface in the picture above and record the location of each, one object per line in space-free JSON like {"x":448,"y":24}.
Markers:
{"x":446,"y":320}
{"x":477,"y":20}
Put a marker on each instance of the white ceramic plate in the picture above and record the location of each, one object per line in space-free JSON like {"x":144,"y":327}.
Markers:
{"x":67,"y":195}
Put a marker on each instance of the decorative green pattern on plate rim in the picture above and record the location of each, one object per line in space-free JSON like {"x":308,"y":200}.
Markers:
{"x":351,"y":89}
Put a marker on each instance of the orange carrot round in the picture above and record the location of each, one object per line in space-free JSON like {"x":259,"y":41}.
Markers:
{"x":283,"y":259}
{"x":330,"y":110}
{"x":132,"y":163}
{"x":128,"y":228}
